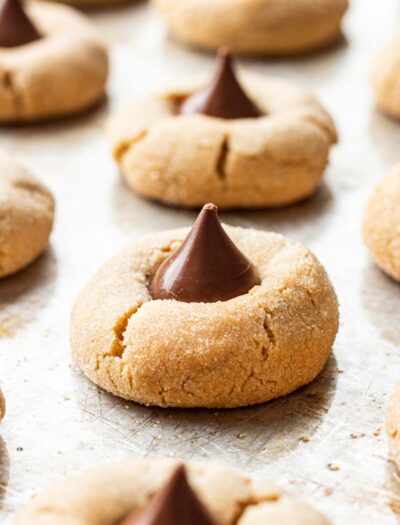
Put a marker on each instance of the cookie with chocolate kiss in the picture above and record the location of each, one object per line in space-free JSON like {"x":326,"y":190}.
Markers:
{"x":214,"y":316}
{"x":238,"y":140}
{"x":162,"y":492}
{"x":59,"y":63}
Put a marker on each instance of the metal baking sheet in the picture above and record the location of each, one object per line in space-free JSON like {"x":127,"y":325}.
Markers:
{"x":325,"y":442}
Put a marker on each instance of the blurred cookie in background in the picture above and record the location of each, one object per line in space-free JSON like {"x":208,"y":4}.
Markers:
{"x":52,"y":62}
{"x":255,"y":27}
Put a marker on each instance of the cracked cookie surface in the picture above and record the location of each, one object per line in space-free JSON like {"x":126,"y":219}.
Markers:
{"x":385,"y":78}
{"x":255,"y":26}
{"x":105,"y":495}
{"x":61,"y":74}
{"x":244,"y":351}
{"x":189,"y":160}
{"x":26,"y":216}
{"x":381,"y":224}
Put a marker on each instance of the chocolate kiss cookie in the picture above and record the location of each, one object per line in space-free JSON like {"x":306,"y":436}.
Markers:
{"x":224,"y":97}
{"x":270,"y":332}
{"x":16,"y":28}
{"x":158,"y":492}
{"x":242,"y":141}
{"x":207,"y":267}
{"x":175,"y":504}
{"x":52,"y":62}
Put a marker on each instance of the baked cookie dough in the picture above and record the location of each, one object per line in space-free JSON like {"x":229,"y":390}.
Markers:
{"x":191,"y":159}
{"x":393,"y":424}
{"x":268,"y":27}
{"x":381,"y":225}
{"x":106,"y":495}
{"x":385,"y":79}
{"x":246,"y":350}
{"x":61,"y":73}
{"x":26,"y":216}
{"x":2,"y":405}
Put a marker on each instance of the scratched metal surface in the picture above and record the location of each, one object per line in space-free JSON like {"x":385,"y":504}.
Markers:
{"x":59,"y":423}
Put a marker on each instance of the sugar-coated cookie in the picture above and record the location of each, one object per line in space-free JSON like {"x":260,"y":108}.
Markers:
{"x":386,"y":78}
{"x":2,"y":405}
{"x":55,"y":66}
{"x":229,"y":317}
{"x":26,"y":216}
{"x":158,"y":491}
{"x":382,"y":223}
{"x":393,"y":424}
{"x":260,"y":142}
{"x":270,"y":27}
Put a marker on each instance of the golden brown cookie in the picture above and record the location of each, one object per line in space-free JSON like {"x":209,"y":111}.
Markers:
{"x":62,"y":73}
{"x":381,"y":227}
{"x":270,"y":27}
{"x":105,"y":495}
{"x":26,"y":216}
{"x":189,"y":160}
{"x":255,"y":347}
{"x":386,"y":78}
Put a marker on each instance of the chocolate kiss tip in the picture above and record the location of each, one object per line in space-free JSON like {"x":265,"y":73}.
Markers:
{"x":224,"y":97}
{"x":207,"y":267}
{"x":16,"y":29}
{"x":175,"y":504}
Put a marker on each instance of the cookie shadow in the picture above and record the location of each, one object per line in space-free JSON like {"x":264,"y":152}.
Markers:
{"x":22,"y":295}
{"x":129,"y":209}
{"x":333,"y":47}
{"x":93,"y":116}
{"x":380,"y":297}
{"x":300,"y":218}
{"x":246,"y":437}
{"x":4,"y":469}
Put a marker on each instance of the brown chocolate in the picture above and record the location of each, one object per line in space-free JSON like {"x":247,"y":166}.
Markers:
{"x":224,"y":97}
{"x":175,"y":504}
{"x":207,"y":267}
{"x":16,"y":29}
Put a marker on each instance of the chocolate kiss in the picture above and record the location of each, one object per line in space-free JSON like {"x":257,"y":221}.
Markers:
{"x":174,"y":504}
{"x":224,"y":97}
{"x":207,"y":267}
{"x":16,"y":29}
